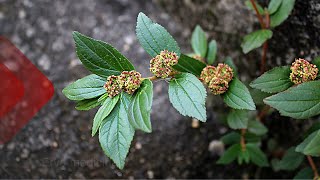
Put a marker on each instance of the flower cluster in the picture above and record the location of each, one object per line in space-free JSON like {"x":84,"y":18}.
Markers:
{"x":128,"y":81}
{"x":161,"y":65}
{"x":217,"y":78}
{"x":302,"y":71}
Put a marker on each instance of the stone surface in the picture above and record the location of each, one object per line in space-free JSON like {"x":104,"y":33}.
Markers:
{"x":57,"y":143}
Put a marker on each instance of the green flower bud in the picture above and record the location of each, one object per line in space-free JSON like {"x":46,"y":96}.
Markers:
{"x":224,"y":72}
{"x":218,"y":86}
{"x":302,"y":71}
{"x":129,"y":81}
{"x":161,"y":65}
{"x":112,"y":86}
{"x":207,"y":74}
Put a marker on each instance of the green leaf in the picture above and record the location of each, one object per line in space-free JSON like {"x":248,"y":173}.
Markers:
{"x":190,"y":65}
{"x":212,"y":52}
{"x":230,"y":154}
{"x":238,"y":119}
{"x":305,"y":173}
{"x":250,"y":6}
{"x":153,"y":37}
{"x":116,"y":132}
{"x":310,"y":146}
{"x":253,"y":138}
{"x":275,"y":80}
{"x":255,"y":40}
{"x":140,"y":107}
{"x":238,"y":96}
{"x":188,"y":96}
{"x":316,"y":61}
{"x":199,"y":41}
{"x":274,"y":6}
{"x":103,"y":112}
{"x":243,"y":156}
{"x":282,"y":13}
{"x":103,"y":98}
{"x":256,"y":155}
{"x":99,"y":57}
{"x":231,"y":138}
{"x":258,"y":96}
{"x":86,"y":88}
{"x":257,"y":128}
{"x":230,"y":62}
{"x":291,"y":160}
{"x":87,"y":104}
{"x":315,"y":126}
{"x":300,"y":102}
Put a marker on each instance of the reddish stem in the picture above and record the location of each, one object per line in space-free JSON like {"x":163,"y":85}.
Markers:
{"x":313,"y":166}
{"x":265,"y":46}
{"x":242,"y":140}
{"x":258,"y":14}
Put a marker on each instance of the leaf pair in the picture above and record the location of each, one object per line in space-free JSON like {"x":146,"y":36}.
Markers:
{"x":201,"y":47}
{"x":118,"y":118}
{"x":251,"y":153}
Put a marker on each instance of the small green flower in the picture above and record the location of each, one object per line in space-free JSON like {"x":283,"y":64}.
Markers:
{"x":224,"y":72}
{"x":207,"y":74}
{"x":161,"y":65}
{"x":129,"y":81}
{"x":217,"y":78}
{"x":112,"y":86}
{"x":302,"y":71}
{"x":218,"y":86}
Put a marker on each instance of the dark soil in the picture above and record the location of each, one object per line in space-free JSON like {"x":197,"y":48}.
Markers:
{"x":57,"y":143}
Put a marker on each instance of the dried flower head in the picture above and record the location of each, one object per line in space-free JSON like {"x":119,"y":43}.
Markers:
{"x":207,"y":74}
{"x":129,"y":81}
{"x":218,"y":86}
{"x":161,"y":65}
{"x":112,"y":86}
{"x":224,"y":72}
{"x":302,"y":71}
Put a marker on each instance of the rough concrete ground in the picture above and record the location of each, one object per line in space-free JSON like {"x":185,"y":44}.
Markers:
{"x":57,"y":142}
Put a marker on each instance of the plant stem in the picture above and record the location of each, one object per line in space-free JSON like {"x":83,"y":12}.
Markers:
{"x":152,"y":78}
{"x":258,"y":14}
{"x":263,"y":59}
{"x":314,"y":168}
{"x":265,"y":46}
{"x":242,"y":140}
{"x":263,"y":113}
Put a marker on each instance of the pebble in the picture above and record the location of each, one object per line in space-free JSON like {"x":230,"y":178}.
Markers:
{"x":24,"y":154}
{"x":216,"y":147}
{"x":11,"y":146}
{"x":195,"y":123}
{"x":44,"y":62}
{"x":150,"y":174}
{"x":55,"y":144}
{"x":138,"y":145}
{"x":22,"y":14}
